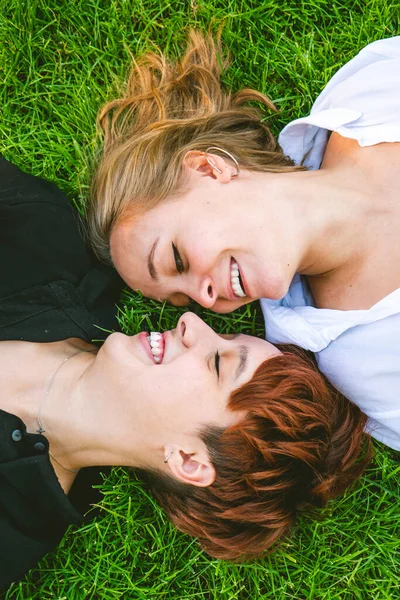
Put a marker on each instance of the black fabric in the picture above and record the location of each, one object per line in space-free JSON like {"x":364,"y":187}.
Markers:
{"x":34,"y":509}
{"x":51,"y":288}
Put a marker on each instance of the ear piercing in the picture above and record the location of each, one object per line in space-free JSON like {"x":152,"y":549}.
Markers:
{"x":166,"y":459}
{"x":214,"y":166}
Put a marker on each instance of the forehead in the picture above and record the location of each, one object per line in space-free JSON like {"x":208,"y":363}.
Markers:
{"x":132,"y":233}
{"x":259,"y":351}
{"x":131,"y":242}
{"x":165,"y":216}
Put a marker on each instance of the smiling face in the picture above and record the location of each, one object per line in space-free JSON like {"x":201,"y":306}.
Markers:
{"x":186,"y":388}
{"x":209,"y":245}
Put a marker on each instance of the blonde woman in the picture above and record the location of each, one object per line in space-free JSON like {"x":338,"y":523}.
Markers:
{"x":194,"y":198}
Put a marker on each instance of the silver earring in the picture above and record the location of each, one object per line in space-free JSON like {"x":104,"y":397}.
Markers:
{"x":166,"y":459}
{"x":214,"y":166}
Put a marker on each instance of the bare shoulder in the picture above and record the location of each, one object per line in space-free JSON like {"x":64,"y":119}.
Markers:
{"x":382,"y":158}
{"x":375,"y":273}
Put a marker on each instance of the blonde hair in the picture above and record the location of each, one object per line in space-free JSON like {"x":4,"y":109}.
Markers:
{"x":169,"y":109}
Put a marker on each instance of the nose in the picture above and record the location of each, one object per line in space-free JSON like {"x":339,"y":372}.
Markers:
{"x":193,"y":331}
{"x":204,"y":292}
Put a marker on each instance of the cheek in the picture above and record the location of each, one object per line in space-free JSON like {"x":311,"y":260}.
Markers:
{"x":204,"y":247}
{"x":182,"y":390}
{"x":117,"y":349}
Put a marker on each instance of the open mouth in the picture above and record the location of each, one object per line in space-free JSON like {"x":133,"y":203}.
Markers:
{"x":236,"y":281}
{"x":157,"y":345}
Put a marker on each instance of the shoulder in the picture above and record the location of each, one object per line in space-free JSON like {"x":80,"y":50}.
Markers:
{"x":24,"y":197}
{"x":18,"y":188}
{"x":29,"y":203}
{"x":39,"y":231}
{"x":362,"y":84}
{"x":359,"y":102}
{"x":34,"y":511}
{"x":51,"y":285}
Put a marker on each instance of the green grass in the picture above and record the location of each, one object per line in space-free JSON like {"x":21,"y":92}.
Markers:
{"x":59,"y":60}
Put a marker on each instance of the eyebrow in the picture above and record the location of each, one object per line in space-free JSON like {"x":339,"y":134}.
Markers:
{"x":150,"y":261}
{"x":243,"y":353}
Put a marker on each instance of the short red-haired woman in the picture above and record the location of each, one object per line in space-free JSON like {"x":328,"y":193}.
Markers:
{"x":238,"y":435}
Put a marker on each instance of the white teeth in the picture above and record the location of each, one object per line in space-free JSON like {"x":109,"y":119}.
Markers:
{"x":156,"y":344}
{"x":235,"y":281}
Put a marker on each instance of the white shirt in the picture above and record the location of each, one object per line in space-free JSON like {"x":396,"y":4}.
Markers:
{"x":358,"y":350}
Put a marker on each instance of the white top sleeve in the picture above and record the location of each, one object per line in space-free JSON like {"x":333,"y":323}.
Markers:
{"x":361,"y":102}
{"x":359,"y":351}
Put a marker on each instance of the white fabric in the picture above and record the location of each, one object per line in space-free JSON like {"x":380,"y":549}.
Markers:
{"x":358,"y":350}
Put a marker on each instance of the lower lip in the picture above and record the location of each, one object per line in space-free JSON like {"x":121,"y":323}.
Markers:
{"x":244,"y":284}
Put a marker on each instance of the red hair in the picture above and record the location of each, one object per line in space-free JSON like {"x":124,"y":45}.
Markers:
{"x":300,"y":444}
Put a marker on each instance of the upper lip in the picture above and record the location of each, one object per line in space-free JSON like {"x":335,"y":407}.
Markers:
{"x":165,"y":336}
{"x":145,"y":341}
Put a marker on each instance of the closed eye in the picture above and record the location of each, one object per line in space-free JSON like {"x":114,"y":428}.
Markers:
{"x":217,"y":359}
{"x":177,"y":258}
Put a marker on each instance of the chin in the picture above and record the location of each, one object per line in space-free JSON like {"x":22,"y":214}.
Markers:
{"x":116,"y":343}
{"x":277,"y":290}
{"x":227,"y":306}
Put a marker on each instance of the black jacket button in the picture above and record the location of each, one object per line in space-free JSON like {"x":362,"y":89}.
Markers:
{"x":16,"y":435}
{"x":39,"y":447}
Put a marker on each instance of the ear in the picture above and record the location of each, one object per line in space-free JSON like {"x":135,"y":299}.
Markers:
{"x":215,"y":167}
{"x":195,"y":468}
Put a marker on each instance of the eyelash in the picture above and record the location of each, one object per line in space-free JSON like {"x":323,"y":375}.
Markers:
{"x":177,"y":259}
{"x":217,"y":359}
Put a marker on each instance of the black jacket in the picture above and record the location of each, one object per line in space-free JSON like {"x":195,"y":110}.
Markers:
{"x":51,"y":288}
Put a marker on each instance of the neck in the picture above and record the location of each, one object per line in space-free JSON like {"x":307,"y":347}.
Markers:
{"x":93,"y":428}
{"x":84,"y":424}
{"x":320,"y":214}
